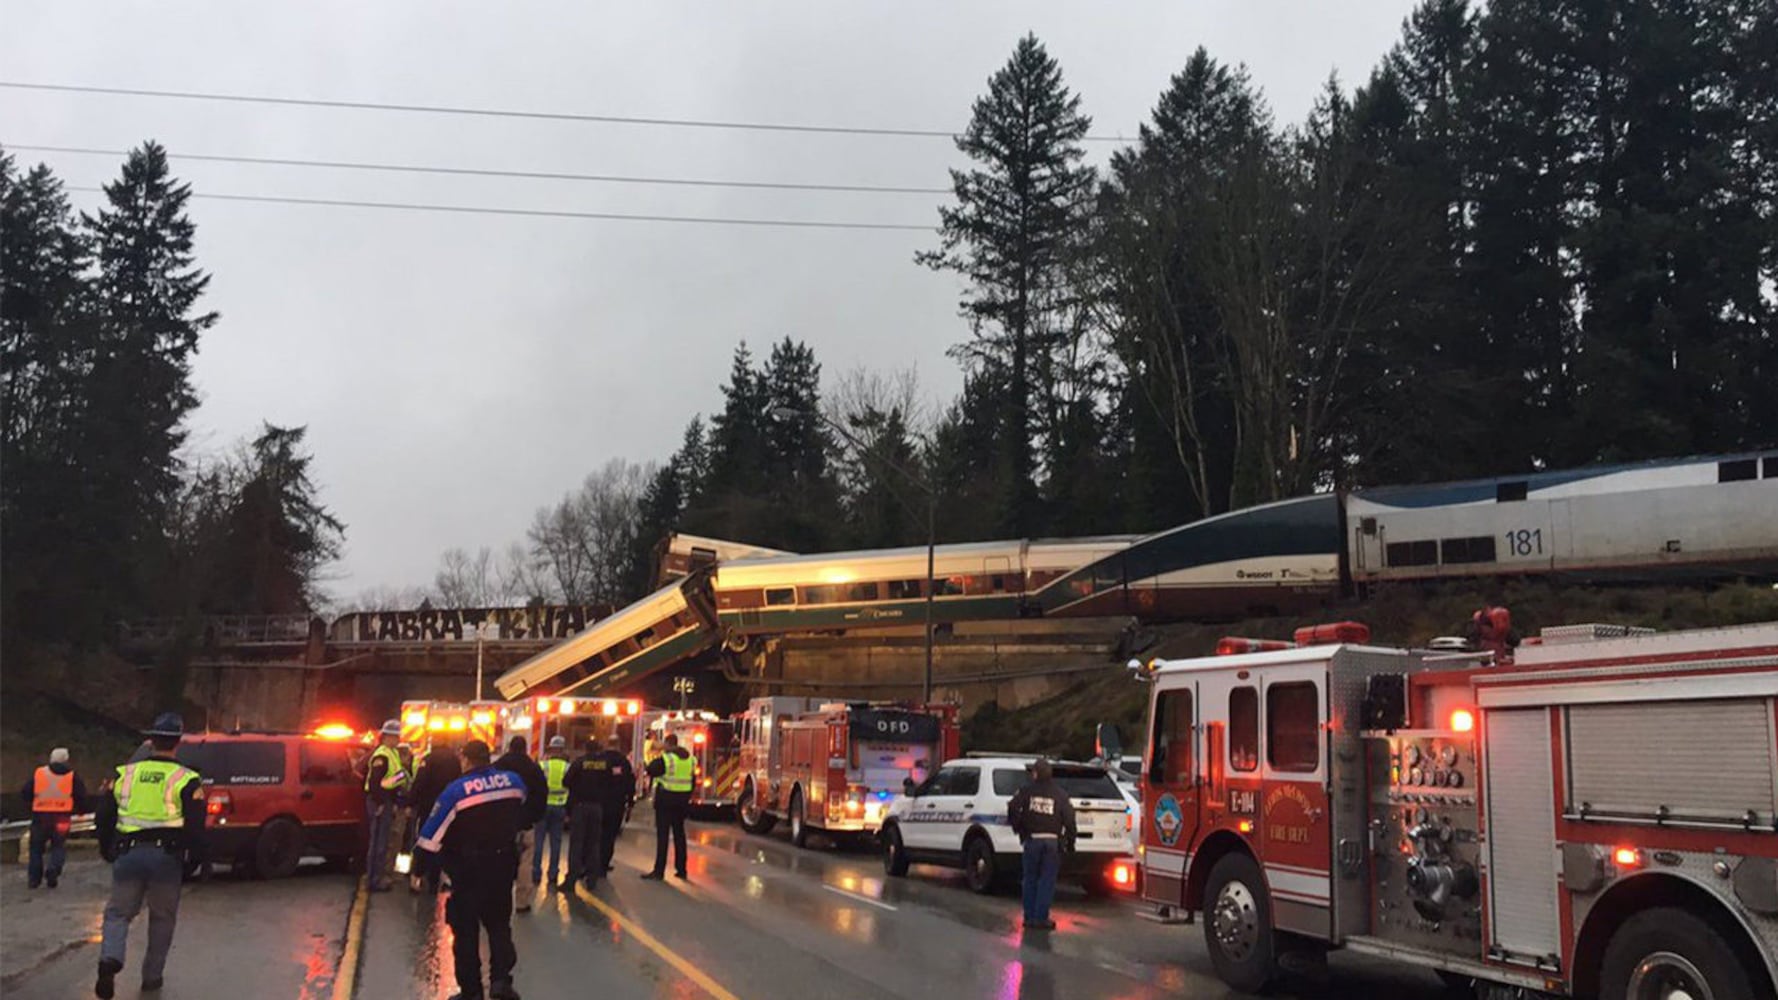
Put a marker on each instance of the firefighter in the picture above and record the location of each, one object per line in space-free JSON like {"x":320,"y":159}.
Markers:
{"x":517,"y":761}
{"x":1043,"y":817}
{"x":555,"y":812}
{"x":619,"y":794}
{"x":51,"y":797}
{"x":437,"y":769}
{"x":586,"y":814}
{"x":673,"y":773}
{"x":385,"y":781}
{"x":150,"y":827}
{"x":472,"y":830}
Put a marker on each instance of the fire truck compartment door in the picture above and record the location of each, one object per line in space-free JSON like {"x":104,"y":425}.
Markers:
{"x":1171,"y":790}
{"x":1523,"y":922}
{"x":1293,"y":832}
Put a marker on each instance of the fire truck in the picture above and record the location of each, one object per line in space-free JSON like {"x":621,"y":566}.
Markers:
{"x":835,"y":767}
{"x":422,"y":722}
{"x":708,"y":737}
{"x":537,"y":719}
{"x":1591,"y":816}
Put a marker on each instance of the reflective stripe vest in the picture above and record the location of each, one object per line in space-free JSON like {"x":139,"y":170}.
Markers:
{"x":148,"y":795}
{"x":52,"y":792}
{"x":679,"y":773}
{"x":555,"y":771}
{"x":394,"y":775}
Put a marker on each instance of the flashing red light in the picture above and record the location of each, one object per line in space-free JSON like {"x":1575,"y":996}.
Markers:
{"x":698,"y":737}
{"x":608,"y":708}
{"x":217,"y":803}
{"x":335,"y":731}
{"x":633,"y":708}
{"x":1627,"y":857}
{"x":1462,"y":721}
{"x":1333,"y":633}
{"x":543,"y":706}
{"x":1231,"y":645}
{"x":1123,"y":875}
{"x":566,"y":705}
{"x":1245,"y":826}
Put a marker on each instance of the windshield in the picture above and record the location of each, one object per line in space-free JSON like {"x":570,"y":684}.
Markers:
{"x":1078,"y":782}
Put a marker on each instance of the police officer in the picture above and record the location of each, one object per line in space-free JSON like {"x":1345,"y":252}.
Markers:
{"x":52,"y":796}
{"x":149,"y":826}
{"x":586,"y":816}
{"x":555,"y":811}
{"x":472,"y":830}
{"x":1043,"y":817}
{"x":385,"y":782}
{"x":673,"y":772}
{"x":619,"y":793}
{"x":516,"y":760}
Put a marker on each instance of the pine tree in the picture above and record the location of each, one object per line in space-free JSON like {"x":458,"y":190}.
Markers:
{"x":1016,"y":225}
{"x":277,"y":534}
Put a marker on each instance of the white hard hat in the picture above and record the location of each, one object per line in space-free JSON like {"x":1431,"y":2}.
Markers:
{"x":391,"y":728}
{"x":557,"y":743}
{"x":59,"y":755}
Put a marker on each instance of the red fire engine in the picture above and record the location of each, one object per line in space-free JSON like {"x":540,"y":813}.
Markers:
{"x":835,"y":767}
{"x":1593,"y":818}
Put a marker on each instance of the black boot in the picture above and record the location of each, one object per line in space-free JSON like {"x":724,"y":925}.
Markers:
{"x":106,"y":986}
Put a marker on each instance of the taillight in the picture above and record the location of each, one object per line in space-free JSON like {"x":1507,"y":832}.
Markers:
{"x":218,"y":803}
{"x":1123,"y":875}
{"x":1627,"y":857}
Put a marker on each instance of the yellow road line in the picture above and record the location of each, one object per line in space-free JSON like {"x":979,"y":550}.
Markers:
{"x":671,"y":957}
{"x":346,"y":983}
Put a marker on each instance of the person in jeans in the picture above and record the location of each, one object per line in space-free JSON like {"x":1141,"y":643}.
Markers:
{"x":385,"y":785}
{"x":52,"y":795}
{"x":555,"y":812}
{"x":1042,"y":816}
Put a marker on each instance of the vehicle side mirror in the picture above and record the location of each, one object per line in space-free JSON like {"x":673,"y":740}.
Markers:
{"x":908,"y":787}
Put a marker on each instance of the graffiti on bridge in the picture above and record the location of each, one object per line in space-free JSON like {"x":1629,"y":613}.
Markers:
{"x":467,"y":624}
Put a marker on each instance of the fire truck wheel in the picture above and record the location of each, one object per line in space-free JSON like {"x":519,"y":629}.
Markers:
{"x":895,"y":856}
{"x":278,"y":849}
{"x":1238,"y":924}
{"x":1670,"y":952}
{"x":799,"y":827}
{"x":753,"y":818}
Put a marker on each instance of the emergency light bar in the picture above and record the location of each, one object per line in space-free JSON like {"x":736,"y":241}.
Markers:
{"x":587,"y":706}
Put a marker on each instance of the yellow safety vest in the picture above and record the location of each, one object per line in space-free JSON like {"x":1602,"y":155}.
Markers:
{"x":555,"y":770}
{"x":680,"y":771}
{"x":148,"y":795}
{"x":52,"y":792}
{"x":394,"y":775}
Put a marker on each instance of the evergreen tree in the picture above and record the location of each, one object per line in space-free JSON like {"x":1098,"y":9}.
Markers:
{"x":1016,"y":225}
{"x":145,"y":290}
{"x":277,"y":535}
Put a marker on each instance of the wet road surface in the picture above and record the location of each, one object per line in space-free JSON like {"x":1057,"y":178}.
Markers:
{"x":236,"y":937}
{"x":761,"y":919}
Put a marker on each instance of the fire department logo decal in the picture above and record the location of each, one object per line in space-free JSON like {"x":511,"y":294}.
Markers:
{"x":1169,"y":819}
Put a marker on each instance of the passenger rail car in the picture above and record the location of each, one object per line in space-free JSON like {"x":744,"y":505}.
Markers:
{"x":669,"y":625}
{"x":1708,"y":516}
{"x":679,"y":555}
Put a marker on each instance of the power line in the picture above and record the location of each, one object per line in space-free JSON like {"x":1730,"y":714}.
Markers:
{"x":478,"y":172}
{"x":547,"y":213}
{"x":434,"y":109}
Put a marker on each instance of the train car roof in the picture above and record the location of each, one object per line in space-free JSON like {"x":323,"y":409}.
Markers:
{"x":742,"y":550}
{"x":1463,"y":491}
{"x":809,"y":569}
{"x":621,"y":624}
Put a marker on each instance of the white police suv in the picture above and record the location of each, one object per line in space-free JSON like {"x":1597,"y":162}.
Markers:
{"x":958,"y":818}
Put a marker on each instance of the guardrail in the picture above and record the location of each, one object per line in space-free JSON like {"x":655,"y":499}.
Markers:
{"x":82,"y":823}
{"x":222,"y":630}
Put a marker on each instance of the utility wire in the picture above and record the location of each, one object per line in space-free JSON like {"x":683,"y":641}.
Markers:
{"x":477,"y":172}
{"x":432,"y":109}
{"x":548,"y":213}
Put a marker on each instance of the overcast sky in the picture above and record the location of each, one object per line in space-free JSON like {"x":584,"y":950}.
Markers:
{"x":455,"y":371}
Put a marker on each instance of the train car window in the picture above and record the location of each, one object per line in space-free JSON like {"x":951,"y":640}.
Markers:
{"x":1293,"y":727}
{"x":821,"y":595}
{"x":1738,"y":471}
{"x":1508,"y":492}
{"x":862,"y":592}
{"x":1477,"y":549}
{"x":1170,"y":758}
{"x":904,"y":590}
{"x":645,"y":638}
{"x":780,"y":596}
{"x":1244,"y":729}
{"x":1411,"y":553}
{"x":997,"y":583}
{"x":950,"y":586}
{"x":1107,"y":576}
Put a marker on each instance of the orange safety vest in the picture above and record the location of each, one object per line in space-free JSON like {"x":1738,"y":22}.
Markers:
{"x":52,"y":792}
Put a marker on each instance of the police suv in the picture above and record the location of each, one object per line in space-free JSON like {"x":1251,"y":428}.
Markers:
{"x":957,"y":818}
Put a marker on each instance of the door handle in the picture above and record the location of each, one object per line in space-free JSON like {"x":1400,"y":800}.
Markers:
{"x":969,"y":805}
{"x":307,"y":793}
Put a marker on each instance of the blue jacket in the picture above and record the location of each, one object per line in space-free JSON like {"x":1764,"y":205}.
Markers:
{"x":479,"y":813}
